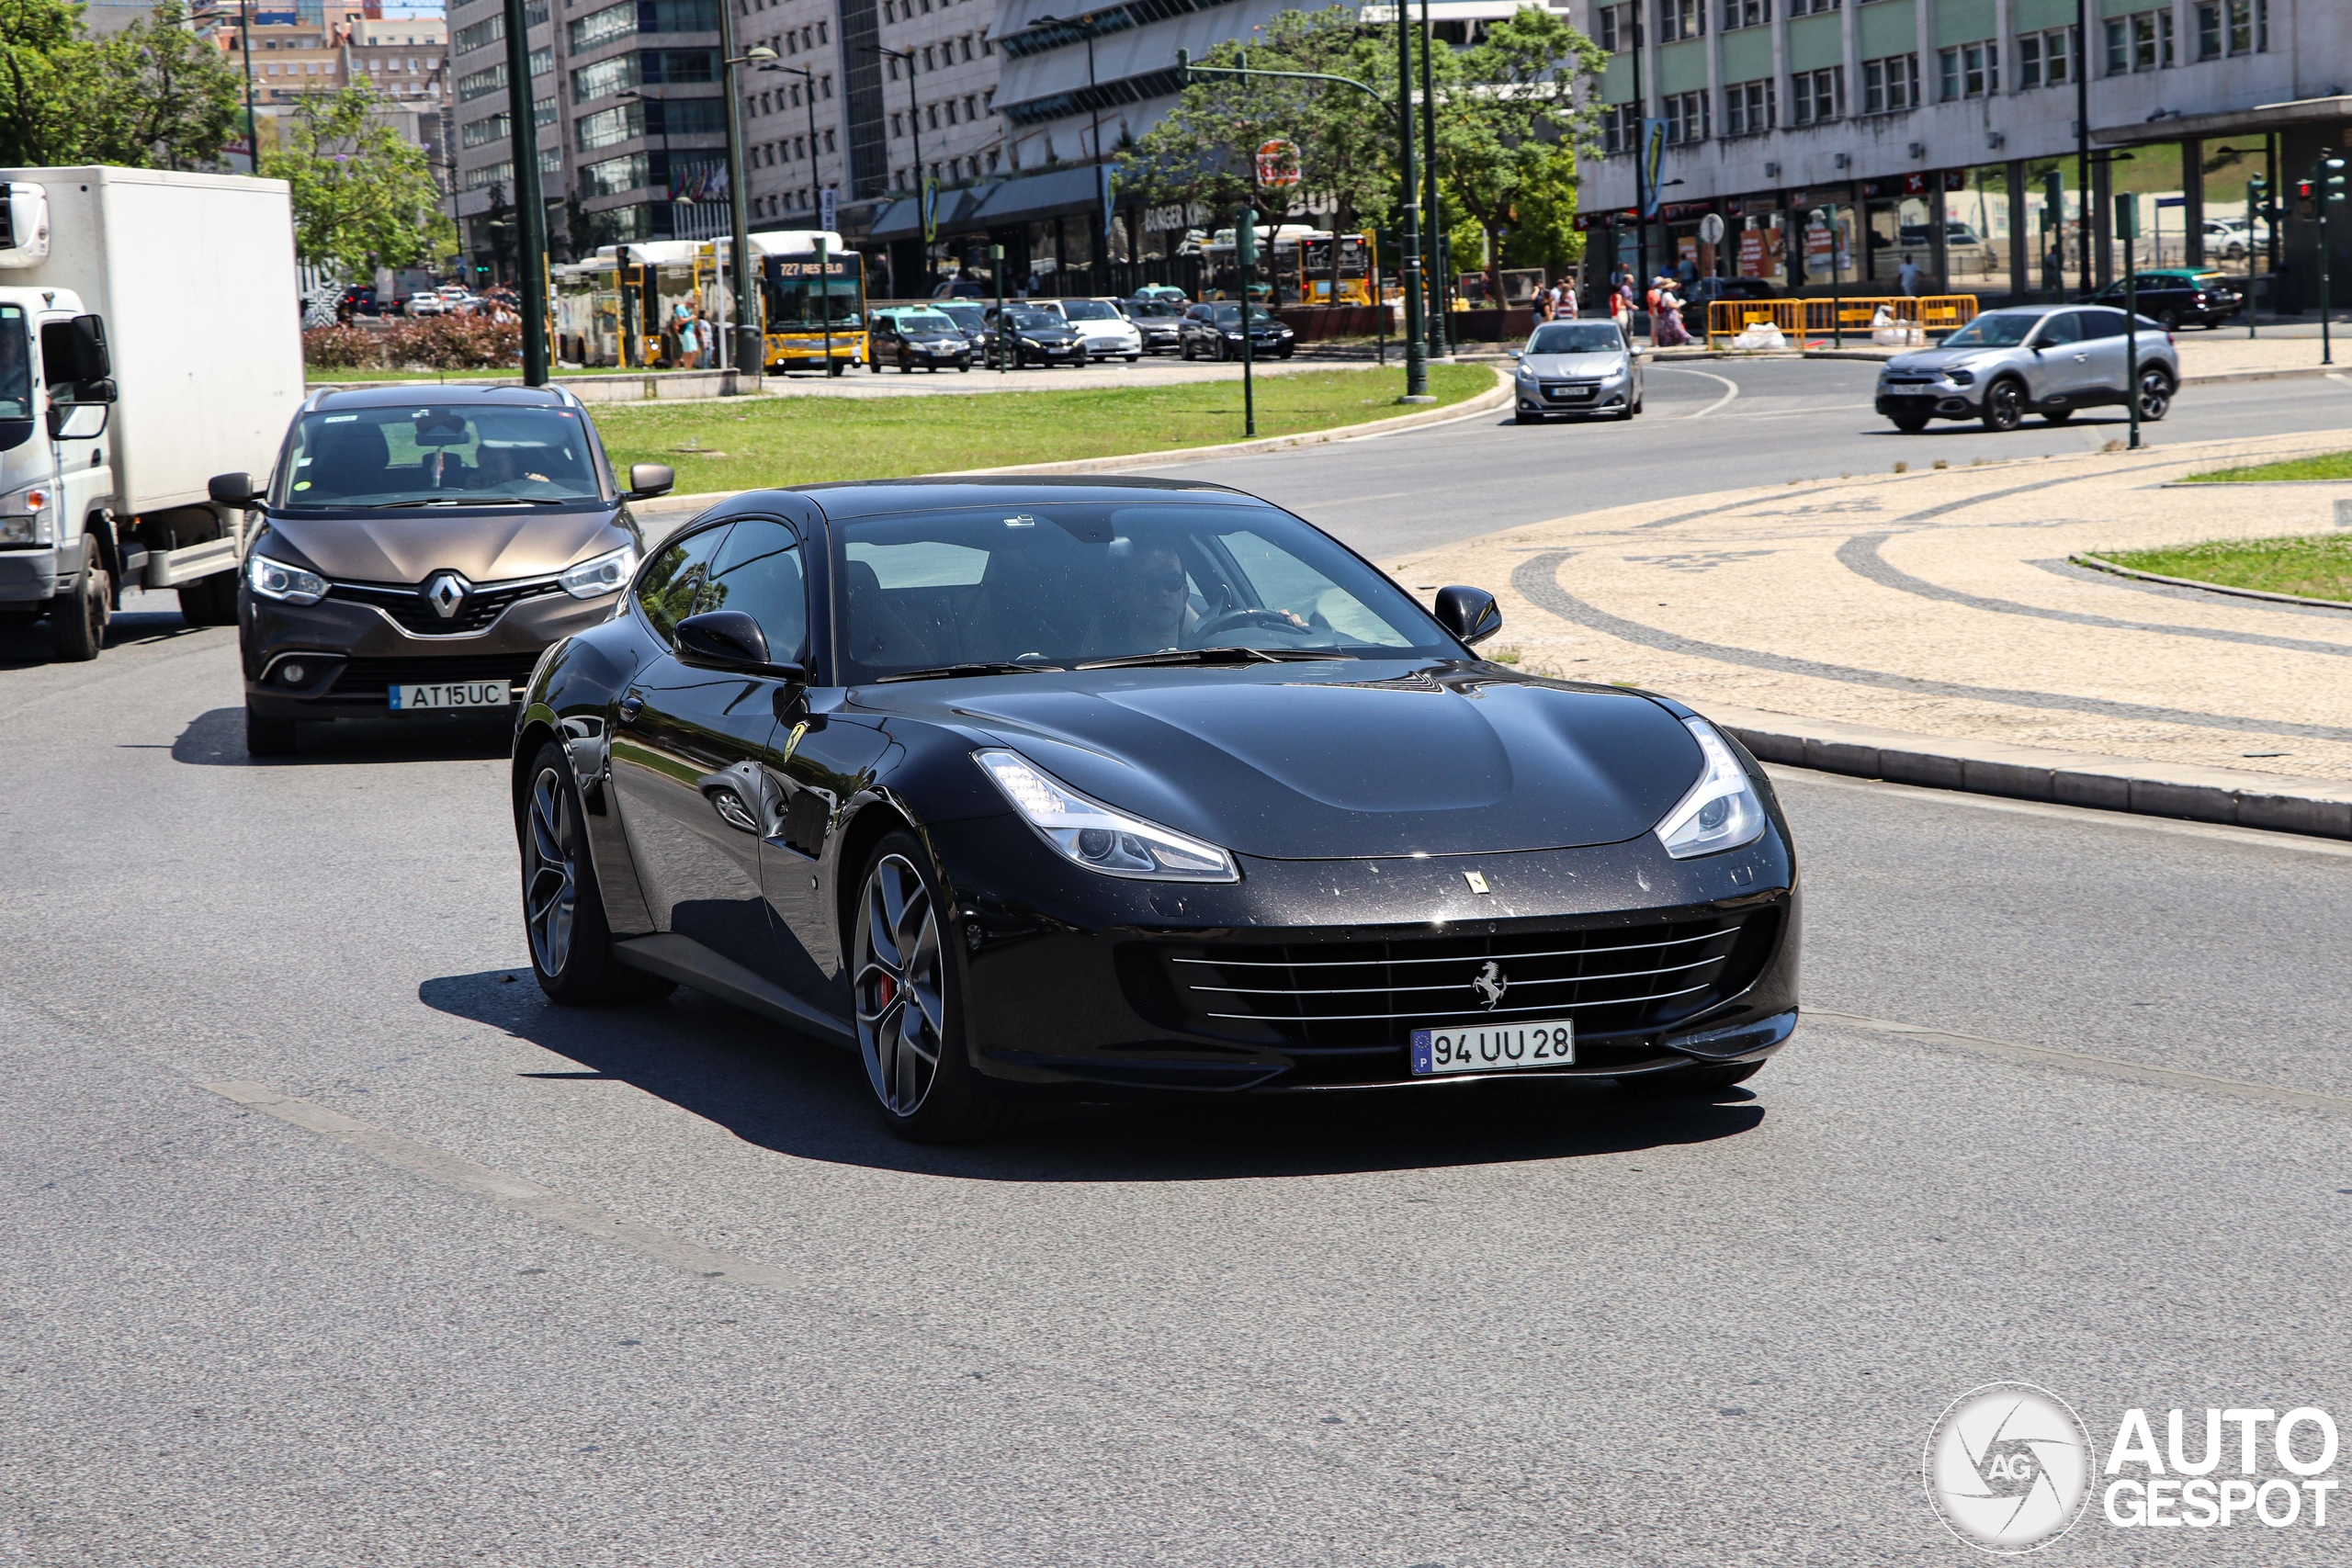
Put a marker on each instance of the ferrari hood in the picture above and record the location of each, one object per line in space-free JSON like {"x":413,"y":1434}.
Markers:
{"x":1340,"y":760}
{"x":485,"y":545}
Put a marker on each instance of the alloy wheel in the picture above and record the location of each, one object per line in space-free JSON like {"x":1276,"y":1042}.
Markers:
{"x":2155,"y":395}
{"x":2004,"y":406}
{"x":551,"y":882}
{"x":901,"y":998}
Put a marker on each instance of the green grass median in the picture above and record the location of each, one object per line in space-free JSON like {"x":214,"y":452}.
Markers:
{"x":2317,"y":566}
{"x":2328,"y":465}
{"x":752,"y":442}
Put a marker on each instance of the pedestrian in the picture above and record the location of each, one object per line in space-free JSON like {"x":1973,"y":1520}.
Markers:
{"x":689,"y":339}
{"x":1666,"y":330}
{"x":1908,"y":276}
{"x":1567,"y":307}
{"x":2053,"y":270}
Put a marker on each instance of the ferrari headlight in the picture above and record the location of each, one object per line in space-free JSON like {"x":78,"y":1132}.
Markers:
{"x":1095,"y":836}
{"x":604,"y":574}
{"x":275,"y":579}
{"x":1721,"y":812}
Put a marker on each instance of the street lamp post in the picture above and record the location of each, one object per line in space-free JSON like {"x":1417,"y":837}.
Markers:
{"x":1441,"y":337}
{"x":2086,"y":224}
{"x":1085,"y":21}
{"x":245,"y":36}
{"x":746,"y":357}
{"x":531,"y":213}
{"x":914,"y":129}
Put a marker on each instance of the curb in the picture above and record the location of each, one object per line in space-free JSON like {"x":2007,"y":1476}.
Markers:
{"x":1493,"y":398}
{"x":2318,"y":807}
{"x":2095,"y":564}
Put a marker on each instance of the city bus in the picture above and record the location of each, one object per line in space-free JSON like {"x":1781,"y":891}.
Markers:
{"x":1293,"y":266}
{"x":798,"y":306}
{"x":609,"y":308}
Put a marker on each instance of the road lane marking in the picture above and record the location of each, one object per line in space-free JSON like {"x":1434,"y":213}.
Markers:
{"x":511,"y":1192}
{"x":1686,"y":370}
{"x":2087,"y":816}
{"x":2078,"y":1062}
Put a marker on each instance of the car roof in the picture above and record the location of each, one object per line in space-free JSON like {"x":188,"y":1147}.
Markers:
{"x":443,"y":393}
{"x":847,"y":499}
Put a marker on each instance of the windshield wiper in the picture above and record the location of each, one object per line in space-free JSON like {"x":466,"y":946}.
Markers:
{"x":455,"y":501}
{"x":946,"y":672}
{"x":1222,"y":655}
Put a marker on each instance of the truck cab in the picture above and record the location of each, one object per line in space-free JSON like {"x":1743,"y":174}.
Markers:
{"x":59,"y":552}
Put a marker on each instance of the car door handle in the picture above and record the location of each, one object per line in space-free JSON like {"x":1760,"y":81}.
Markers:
{"x":630,"y":706}
{"x":2082,"y":359}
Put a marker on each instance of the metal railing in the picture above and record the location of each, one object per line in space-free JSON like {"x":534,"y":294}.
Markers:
{"x":1805,"y":319}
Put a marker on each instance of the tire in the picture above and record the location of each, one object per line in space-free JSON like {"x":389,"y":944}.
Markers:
{"x":1626,"y":414}
{"x":563,"y":912}
{"x":2155,"y":396}
{"x":1285,"y":353}
{"x":268,"y":737}
{"x":1184,"y":350}
{"x":1909,"y":423}
{"x":1132,"y":357}
{"x":77,"y":628}
{"x":834,"y":367}
{"x":907,"y":994}
{"x":2004,"y":406}
{"x":2056,"y":416}
{"x":874,"y":365}
{"x":2168,"y":320}
{"x":1678,"y":1082}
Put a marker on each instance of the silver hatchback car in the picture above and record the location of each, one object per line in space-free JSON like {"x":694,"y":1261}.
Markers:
{"x":1578,"y":369}
{"x":2050,"y":360}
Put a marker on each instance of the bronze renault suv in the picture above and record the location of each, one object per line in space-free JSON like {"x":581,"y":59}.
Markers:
{"x":420,"y":548}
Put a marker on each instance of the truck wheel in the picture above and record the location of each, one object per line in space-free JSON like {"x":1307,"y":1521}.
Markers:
{"x":78,"y":627}
{"x":268,"y":737}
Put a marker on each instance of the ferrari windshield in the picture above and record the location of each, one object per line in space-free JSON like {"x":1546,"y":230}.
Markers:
{"x":473,"y":455}
{"x":1041,"y":585}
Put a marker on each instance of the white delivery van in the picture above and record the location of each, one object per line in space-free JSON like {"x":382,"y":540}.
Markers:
{"x":149,"y":338}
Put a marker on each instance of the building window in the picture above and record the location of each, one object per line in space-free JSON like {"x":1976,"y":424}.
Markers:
{"x":1747,"y":108}
{"x":1891,"y":83}
{"x":2046,"y":59}
{"x":1686,"y":118}
{"x":1971,"y":70}
{"x":1621,"y":127}
{"x":1816,"y":97}
{"x":1745,"y":14}
{"x":1612,"y":29}
{"x":2232,"y":27}
{"x":2142,"y":41}
{"x":1811,"y":7}
{"x":1679,"y":20}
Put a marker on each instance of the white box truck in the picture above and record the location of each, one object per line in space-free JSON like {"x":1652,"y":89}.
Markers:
{"x":149,"y":338}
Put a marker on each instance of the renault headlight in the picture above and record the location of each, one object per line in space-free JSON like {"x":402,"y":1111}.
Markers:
{"x":289,"y":584}
{"x":1721,"y":812}
{"x":604,"y":574}
{"x":1095,"y":836}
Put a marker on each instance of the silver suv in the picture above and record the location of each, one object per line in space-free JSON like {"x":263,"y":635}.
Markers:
{"x":2044,"y":359}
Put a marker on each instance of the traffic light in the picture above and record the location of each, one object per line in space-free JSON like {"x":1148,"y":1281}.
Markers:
{"x":2332,"y":170}
{"x":2053,"y":192}
{"x":1245,"y":238}
{"x":2305,"y":193}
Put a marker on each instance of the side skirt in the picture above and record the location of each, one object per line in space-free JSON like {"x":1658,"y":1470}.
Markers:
{"x":688,"y":962}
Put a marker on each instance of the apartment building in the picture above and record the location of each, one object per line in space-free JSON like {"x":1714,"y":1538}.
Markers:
{"x":1838,"y":140}
{"x":630,"y":123}
{"x":297,"y":51}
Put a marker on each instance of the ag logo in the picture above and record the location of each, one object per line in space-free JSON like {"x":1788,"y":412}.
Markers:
{"x":2008,"y":1467}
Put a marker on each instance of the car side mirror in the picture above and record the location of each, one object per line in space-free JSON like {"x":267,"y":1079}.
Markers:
{"x":1518,"y":354}
{"x":232,"y":489}
{"x":647,"y":480}
{"x":730,"y":640}
{"x":1470,"y":614}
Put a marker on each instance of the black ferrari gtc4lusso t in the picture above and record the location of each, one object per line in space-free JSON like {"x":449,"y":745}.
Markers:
{"x":1087,"y":788}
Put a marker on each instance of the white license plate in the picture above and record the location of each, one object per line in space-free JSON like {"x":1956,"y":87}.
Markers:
{"x":453,"y":694}
{"x":1495,"y":1048}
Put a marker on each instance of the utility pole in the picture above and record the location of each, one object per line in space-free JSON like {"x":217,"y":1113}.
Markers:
{"x":2330,"y":189}
{"x":1439,"y":345}
{"x":252,"y":137}
{"x":914,"y":129}
{"x":1245,"y":251}
{"x":1417,"y":348}
{"x":1641,"y":175}
{"x":2083,"y":196}
{"x":531,"y":213}
{"x":748,"y":357}
{"x":2127,"y":229}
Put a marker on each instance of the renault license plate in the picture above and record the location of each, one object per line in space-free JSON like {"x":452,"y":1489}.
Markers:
{"x":452,"y":695}
{"x":1495,"y":1048}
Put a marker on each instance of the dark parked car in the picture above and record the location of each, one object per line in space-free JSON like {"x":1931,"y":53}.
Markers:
{"x":1157,"y":320}
{"x":912,"y":337}
{"x":971,"y":319}
{"x":417,"y":554}
{"x":358,"y":301}
{"x":1087,"y":789}
{"x":1038,"y":336}
{"x":2178,"y":297}
{"x":1213,"y":331}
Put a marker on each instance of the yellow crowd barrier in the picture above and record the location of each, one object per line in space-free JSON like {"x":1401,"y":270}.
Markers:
{"x":1802,"y":320}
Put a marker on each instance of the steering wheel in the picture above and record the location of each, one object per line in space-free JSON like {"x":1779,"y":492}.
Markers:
{"x":1276,"y":620}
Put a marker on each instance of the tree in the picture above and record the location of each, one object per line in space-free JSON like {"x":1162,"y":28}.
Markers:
{"x":1507,"y":134}
{"x":363,"y":196}
{"x":153,"y":95}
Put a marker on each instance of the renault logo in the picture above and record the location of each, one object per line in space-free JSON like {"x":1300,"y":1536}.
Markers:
{"x":1490,"y":985}
{"x":444,"y":593}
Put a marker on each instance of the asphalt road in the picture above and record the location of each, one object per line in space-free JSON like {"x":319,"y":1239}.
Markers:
{"x":436,"y":1273}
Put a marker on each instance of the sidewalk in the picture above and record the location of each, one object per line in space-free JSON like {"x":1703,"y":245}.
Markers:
{"x":1939,"y":611}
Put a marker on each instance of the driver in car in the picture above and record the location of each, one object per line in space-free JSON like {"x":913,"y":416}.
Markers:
{"x":496,"y":468}
{"x":1149,"y":608}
